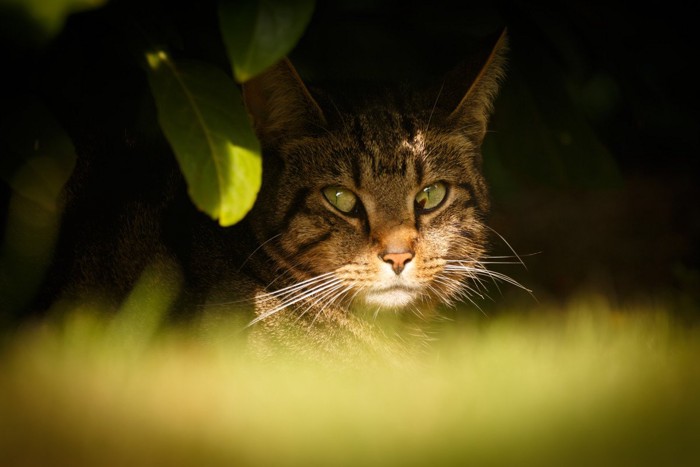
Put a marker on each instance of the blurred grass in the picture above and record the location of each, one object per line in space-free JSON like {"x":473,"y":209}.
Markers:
{"x":584,"y":384}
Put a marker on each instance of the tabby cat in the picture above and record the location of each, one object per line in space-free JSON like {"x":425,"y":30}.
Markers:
{"x":368,"y":205}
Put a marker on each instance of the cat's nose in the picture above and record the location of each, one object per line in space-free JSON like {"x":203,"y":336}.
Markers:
{"x":397,"y":260}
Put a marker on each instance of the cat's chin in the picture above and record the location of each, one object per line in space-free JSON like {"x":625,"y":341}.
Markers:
{"x":394,"y":297}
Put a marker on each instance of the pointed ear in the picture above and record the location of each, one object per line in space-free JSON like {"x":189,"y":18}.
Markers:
{"x":280,"y":104}
{"x":469,"y":90}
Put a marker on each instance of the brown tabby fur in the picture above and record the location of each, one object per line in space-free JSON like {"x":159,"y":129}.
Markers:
{"x":385,"y":150}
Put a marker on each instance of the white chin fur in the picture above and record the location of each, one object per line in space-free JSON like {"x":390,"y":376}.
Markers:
{"x":391,"y":298}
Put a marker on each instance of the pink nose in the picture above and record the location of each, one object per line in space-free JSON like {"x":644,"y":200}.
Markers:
{"x":398,"y":260}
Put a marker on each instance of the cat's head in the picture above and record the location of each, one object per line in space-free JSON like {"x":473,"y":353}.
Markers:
{"x":378,"y":201}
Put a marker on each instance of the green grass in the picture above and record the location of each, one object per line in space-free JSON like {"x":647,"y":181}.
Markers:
{"x":590,"y":384}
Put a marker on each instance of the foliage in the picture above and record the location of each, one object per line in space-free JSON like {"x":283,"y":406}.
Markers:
{"x":38,"y":158}
{"x":201,"y":111}
{"x":258,"y":33}
{"x":202,"y":116}
{"x":35,"y":22}
{"x":199,"y":106}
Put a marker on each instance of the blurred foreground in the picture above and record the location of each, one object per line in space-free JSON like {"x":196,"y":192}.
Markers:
{"x":590,"y":384}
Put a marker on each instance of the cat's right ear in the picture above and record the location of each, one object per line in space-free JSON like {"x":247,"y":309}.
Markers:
{"x":280,"y":104}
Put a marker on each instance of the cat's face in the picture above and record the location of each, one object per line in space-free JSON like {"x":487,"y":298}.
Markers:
{"x":380,"y":205}
{"x":384,"y":203}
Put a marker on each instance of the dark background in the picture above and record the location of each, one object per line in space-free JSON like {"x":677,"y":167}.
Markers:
{"x":592,"y":154}
{"x":593,"y":150}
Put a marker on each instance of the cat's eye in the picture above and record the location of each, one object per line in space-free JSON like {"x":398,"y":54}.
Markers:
{"x":430,"y":197}
{"x":341,"y":198}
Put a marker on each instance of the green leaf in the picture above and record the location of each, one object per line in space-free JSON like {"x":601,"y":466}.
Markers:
{"x":37,"y":21}
{"x":38,"y":156}
{"x":258,"y":33}
{"x":37,"y":160}
{"x":201,"y":113}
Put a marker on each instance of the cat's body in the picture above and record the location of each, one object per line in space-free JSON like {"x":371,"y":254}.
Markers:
{"x":367,"y":206}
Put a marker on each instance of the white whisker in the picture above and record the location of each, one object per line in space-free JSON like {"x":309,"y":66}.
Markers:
{"x":334,"y":296}
{"x":468,"y":270}
{"x":494,"y":275}
{"x":256,"y":250}
{"x":465,"y":295}
{"x":295,"y":287}
{"x":321,"y":297}
{"x":296,"y":299}
{"x":432,"y":111}
{"x":508,"y":245}
{"x":331,"y":301}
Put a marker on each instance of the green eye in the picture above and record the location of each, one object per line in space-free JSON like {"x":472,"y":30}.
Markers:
{"x":431,"y":197}
{"x":341,"y":198}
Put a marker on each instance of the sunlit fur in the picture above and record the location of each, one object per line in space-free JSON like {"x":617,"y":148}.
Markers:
{"x":319,"y":264}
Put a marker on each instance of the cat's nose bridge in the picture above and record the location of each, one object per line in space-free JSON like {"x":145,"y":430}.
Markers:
{"x":396,"y":245}
{"x":395,"y":235}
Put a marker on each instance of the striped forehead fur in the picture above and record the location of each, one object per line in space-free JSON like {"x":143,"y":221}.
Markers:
{"x":385,"y":145}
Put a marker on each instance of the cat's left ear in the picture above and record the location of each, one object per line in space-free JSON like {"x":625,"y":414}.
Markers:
{"x":280,"y":105}
{"x":469,"y":91}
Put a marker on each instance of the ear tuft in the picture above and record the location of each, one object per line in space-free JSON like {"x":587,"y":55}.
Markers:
{"x":280,"y":105}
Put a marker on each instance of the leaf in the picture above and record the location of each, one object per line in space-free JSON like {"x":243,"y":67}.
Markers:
{"x":201,"y":114}
{"x":38,"y":21}
{"x":259,"y":33}
{"x":38,"y":156}
{"x":37,"y":160}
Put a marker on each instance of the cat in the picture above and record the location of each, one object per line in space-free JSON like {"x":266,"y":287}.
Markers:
{"x":369,"y":206}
